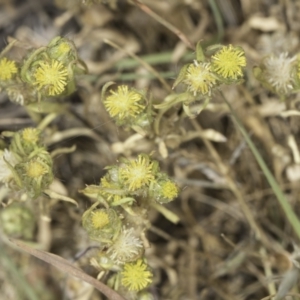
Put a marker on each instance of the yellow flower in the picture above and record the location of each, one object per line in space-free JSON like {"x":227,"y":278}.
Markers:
{"x":123,"y":103}
{"x":51,"y":76}
{"x":135,"y":276}
{"x":35,"y":169}
{"x":229,"y":61}
{"x":99,"y":219}
{"x":169,"y":190}
{"x":137,"y":173}
{"x":199,"y":78}
{"x":63,"y":48}
{"x":30,"y":135}
{"x":102,"y":225}
{"x":7,"y":68}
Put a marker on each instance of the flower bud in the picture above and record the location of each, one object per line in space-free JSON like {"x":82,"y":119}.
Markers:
{"x":102,"y":225}
{"x":25,"y":142}
{"x":17,"y":221}
{"x":163,"y":190}
{"x":62,"y":49}
{"x":36,"y":173}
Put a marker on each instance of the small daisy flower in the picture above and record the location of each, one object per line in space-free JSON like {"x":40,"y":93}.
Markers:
{"x":277,"y":71}
{"x":137,"y":173}
{"x":135,"y":276}
{"x":102,"y":225}
{"x":228,"y":62}
{"x":123,"y":103}
{"x":199,"y":78}
{"x":7,"y":68}
{"x":30,"y":135}
{"x":35,"y":169}
{"x":5,"y":172}
{"x":99,"y":219}
{"x":60,"y":49}
{"x":64,"y":48}
{"x":169,"y":190}
{"x":126,"y":248}
{"x":52,"y":77}
{"x":163,"y":190}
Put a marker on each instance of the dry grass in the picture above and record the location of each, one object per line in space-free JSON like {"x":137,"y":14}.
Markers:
{"x":233,"y":241}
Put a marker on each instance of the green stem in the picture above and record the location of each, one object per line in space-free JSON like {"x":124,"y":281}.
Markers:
{"x":288,"y":210}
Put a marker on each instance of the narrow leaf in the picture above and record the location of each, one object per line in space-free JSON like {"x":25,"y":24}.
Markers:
{"x":67,"y":267}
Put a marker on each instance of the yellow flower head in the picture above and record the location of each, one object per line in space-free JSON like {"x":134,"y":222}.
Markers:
{"x":51,"y":76}
{"x":99,"y":219}
{"x":137,"y":173}
{"x":35,"y":169}
{"x":229,"y":62}
{"x":169,"y":190}
{"x":135,"y":276}
{"x":7,"y":68}
{"x":63,"y":48}
{"x":199,"y":78}
{"x":123,"y":103}
{"x":30,"y":135}
{"x":102,"y":225}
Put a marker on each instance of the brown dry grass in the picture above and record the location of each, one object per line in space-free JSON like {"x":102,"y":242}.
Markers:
{"x":214,"y":252}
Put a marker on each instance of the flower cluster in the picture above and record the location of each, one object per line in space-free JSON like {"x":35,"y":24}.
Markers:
{"x":26,"y":165}
{"x":45,"y":72}
{"x":225,"y":64}
{"x":213,"y":67}
{"x":127,"y":192}
{"x":128,"y":106}
{"x":279,"y":74}
{"x":130,"y":179}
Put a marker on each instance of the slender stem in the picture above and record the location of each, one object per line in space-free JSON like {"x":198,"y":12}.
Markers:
{"x":288,"y":210}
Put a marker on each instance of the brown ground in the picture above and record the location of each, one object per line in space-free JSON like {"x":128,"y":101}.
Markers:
{"x":214,"y":252}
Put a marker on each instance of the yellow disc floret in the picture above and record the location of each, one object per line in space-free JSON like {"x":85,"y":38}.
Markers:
{"x":35,"y":169}
{"x":229,"y":62}
{"x":51,"y":76}
{"x":135,"y":276}
{"x":123,"y":103}
{"x":138,"y":173}
{"x":30,"y":135}
{"x":7,"y":68}
{"x":199,"y":78}
{"x":169,"y":190}
{"x":63,"y":48}
{"x":99,"y":219}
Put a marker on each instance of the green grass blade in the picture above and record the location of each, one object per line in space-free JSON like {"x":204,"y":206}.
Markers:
{"x":288,"y":210}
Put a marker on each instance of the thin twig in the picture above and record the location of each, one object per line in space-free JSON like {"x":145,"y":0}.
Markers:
{"x":162,"y":21}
